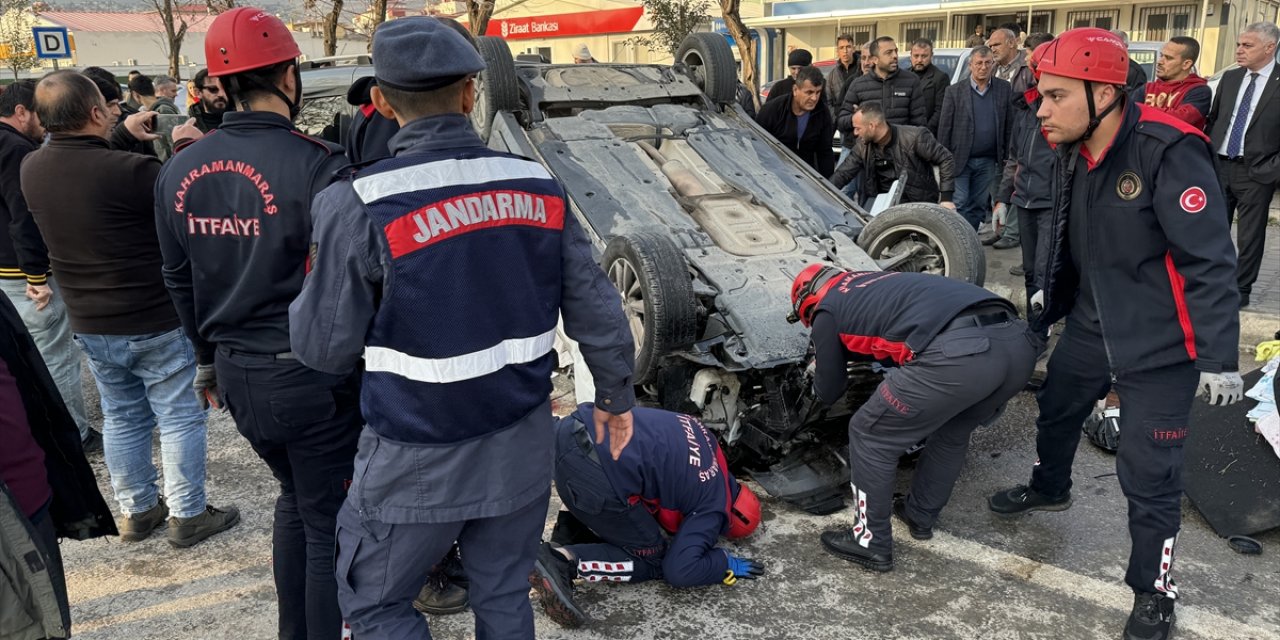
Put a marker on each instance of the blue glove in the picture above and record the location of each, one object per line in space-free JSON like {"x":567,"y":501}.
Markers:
{"x":741,"y":568}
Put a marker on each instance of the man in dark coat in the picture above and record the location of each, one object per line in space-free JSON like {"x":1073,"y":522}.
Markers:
{"x":974,"y":127}
{"x":933,"y":81}
{"x":898,"y":93}
{"x":885,"y":152}
{"x":802,"y":123}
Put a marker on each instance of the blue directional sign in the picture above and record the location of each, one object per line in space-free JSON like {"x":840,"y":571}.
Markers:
{"x":52,"y":42}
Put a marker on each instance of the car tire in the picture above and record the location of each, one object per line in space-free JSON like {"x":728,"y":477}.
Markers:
{"x":497,"y":88}
{"x":651,"y":274}
{"x":710,"y":61}
{"x":944,"y":242}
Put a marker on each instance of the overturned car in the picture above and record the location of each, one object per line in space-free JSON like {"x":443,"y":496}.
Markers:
{"x":702,"y":220}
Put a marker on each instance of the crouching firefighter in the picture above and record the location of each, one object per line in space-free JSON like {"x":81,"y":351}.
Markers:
{"x":956,"y":353}
{"x":1140,"y":263}
{"x":656,"y":512}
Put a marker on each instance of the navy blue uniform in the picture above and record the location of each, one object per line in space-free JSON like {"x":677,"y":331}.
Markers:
{"x":671,"y":479}
{"x":1141,"y":265}
{"x":956,"y":353}
{"x":369,"y":137}
{"x":234,"y":221}
{"x":445,"y":267}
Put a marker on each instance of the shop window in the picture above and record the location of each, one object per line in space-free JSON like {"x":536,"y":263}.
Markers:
{"x":1163,"y":22}
{"x":1106,"y":19}
{"x":862,"y":33}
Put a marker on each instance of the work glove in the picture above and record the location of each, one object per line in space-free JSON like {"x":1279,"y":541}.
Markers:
{"x":206,"y":386}
{"x":741,"y":568}
{"x":1221,"y":389}
{"x":1037,"y":302}
{"x":1000,"y":215}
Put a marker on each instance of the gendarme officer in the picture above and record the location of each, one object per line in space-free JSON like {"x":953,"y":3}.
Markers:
{"x":446,"y":266}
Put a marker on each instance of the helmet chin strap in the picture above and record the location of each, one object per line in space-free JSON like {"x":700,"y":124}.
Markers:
{"x":1096,"y":118}
{"x":234,"y":92}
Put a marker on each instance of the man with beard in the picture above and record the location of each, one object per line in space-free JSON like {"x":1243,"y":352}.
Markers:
{"x":1177,"y":90}
{"x":800,"y":122}
{"x":212,"y":104}
{"x":933,"y":81}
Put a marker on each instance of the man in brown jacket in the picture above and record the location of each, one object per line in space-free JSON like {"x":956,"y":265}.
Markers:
{"x":102,"y":244}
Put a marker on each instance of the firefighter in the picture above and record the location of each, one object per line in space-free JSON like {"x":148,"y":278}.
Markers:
{"x":1142,"y":267}
{"x":672,"y":480}
{"x":234,"y":218}
{"x":956,"y":353}
{"x":457,"y":377}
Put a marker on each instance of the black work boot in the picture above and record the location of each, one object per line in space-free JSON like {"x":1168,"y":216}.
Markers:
{"x":843,"y":544}
{"x":552,"y":578}
{"x":187,"y":532}
{"x":900,"y":509}
{"x":135,"y":527}
{"x":1151,"y":619}
{"x":441,"y":596}
{"x":1021,"y":499}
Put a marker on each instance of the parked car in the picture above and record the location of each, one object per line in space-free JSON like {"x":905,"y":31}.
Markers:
{"x":701,"y":220}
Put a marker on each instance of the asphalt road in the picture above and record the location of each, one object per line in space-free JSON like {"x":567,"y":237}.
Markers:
{"x":1047,"y":575}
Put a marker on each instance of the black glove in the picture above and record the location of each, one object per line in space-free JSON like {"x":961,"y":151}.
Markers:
{"x":206,"y":386}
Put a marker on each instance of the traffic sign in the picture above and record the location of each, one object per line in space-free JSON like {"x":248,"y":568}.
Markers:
{"x":52,"y":42}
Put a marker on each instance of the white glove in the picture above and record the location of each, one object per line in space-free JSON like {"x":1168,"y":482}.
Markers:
{"x":1000,"y":215}
{"x":1221,"y":389}
{"x":1037,"y":302}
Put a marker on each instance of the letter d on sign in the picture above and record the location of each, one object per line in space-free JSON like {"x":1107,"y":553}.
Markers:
{"x":52,"y":43}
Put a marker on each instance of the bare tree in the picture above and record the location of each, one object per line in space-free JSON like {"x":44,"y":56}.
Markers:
{"x":379,"y":15}
{"x":329,"y":25}
{"x":219,"y":6}
{"x":673,"y":21}
{"x":478,"y":14}
{"x":175,"y":30}
{"x":731,"y":9}
{"x":16,"y":20}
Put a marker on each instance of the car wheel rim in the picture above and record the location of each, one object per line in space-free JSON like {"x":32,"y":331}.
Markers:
{"x":930,"y":254}
{"x":627,"y":281}
{"x":694,"y":63}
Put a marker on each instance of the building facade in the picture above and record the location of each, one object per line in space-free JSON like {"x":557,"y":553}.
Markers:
{"x":814,"y":24}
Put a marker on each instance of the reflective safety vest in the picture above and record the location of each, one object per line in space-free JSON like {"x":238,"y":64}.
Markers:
{"x":462,"y":343}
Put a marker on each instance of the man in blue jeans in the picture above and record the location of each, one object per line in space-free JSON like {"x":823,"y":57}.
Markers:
{"x":102,"y":244}
{"x":974,"y":127}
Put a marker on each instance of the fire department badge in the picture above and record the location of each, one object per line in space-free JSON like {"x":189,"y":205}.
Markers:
{"x":1129,"y":186}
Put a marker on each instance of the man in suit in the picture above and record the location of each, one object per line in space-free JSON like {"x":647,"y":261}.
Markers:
{"x":1244,"y":125}
{"x":974,"y":127}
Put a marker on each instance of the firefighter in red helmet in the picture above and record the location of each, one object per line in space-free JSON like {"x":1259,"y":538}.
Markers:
{"x":656,"y":512}
{"x":1141,"y":266}
{"x":233,"y":213}
{"x":955,"y":354}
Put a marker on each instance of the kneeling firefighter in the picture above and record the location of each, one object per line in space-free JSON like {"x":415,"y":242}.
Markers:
{"x":657,"y":511}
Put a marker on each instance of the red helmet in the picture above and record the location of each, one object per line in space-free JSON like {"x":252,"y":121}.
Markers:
{"x":246,"y":38}
{"x":808,"y":290}
{"x":744,"y":516}
{"x":1037,"y":56}
{"x":1089,"y":53}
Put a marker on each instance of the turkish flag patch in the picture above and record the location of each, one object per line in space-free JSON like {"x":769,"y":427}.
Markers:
{"x":1193,"y":200}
